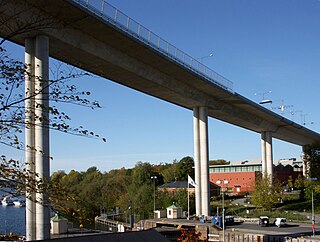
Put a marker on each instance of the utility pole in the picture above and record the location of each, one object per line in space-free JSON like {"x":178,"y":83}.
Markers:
{"x":222,"y":183}
{"x":313,"y":216}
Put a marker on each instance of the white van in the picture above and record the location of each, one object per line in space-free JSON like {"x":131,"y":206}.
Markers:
{"x":280,"y":222}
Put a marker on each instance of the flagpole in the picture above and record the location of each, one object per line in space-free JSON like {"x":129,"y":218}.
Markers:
{"x":188,"y":200}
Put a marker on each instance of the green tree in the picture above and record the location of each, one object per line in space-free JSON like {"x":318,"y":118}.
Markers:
{"x":265,"y":193}
{"x":299,"y":182}
{"x":12,"y":116}
{"x":170,"y":172}
{"x":114,"y":188}
{"x":219,"y":162}
{"x":312,"y":160}
{"x":185,"y":168}
{"x":140,"y":190}
{"x":290,"y":182}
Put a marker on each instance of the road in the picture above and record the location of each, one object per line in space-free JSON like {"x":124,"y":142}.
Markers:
{"x":292,"y":230}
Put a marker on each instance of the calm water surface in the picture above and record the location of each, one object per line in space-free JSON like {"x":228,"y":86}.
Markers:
{"x":12,"y":219}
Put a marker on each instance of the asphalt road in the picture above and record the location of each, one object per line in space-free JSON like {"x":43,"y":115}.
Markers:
{"x":292,"y":230}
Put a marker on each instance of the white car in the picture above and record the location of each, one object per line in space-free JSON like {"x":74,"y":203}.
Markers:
{"x":280,"y":222}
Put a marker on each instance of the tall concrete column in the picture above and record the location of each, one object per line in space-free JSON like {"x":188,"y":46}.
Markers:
{"x":204,"y":160}
{"x":263,"y":154}
{"x":29,"y":137}
{"x":197,"y":168}
{"x":42,"y":157}
{"x":306,"y":165}
{"x":269,"y":155}
{"x":201,"y":160}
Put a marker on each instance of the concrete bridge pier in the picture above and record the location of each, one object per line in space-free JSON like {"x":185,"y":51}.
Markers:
{"x":306,"y":164}
{"x":267,"y":156}
{"x":29,"y":137}
{"x":201,"y":160}
{"x":37,"y":134}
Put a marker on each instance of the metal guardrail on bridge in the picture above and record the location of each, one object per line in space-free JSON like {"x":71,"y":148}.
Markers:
{"x":113,"y":16}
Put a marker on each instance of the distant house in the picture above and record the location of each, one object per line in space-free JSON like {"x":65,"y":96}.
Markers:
{"x":174,"y":211}
{"x":178,"y":185}
{"x":59,"y":225}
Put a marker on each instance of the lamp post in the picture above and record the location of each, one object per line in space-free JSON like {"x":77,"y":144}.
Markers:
{"x":222,"y":183}
{"x":203,"y":57}
{"x":264,"y":100}
{"x":131,"y":215}
{"x":154,"y":193}
{"x":313,"y":218}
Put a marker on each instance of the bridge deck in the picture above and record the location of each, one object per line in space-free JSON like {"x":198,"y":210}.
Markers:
{"x":82,"y":38}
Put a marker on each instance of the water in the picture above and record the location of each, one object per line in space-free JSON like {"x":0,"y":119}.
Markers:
{"x":12,"y":220}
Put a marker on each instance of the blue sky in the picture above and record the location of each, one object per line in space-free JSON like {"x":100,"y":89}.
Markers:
{"x":259,"y":45}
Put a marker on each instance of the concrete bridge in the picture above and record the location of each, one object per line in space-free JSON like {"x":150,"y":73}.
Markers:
{"x":98,"y":38}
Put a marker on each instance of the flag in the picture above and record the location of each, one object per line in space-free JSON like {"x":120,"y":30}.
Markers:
{"x":191,"y":182}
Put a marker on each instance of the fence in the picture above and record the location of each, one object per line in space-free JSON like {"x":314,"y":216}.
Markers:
{"x":122,"y":22}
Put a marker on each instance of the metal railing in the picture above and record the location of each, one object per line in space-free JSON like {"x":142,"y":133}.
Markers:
{"x":113,"y":16}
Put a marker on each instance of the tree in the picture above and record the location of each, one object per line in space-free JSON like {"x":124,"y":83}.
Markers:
{"x":265,"y":193}
{"x":13,"y":121}
{"x":299,"y":183}
{"x":312,"y":160}
{"x":114,"y":187}
{"x":219,"y":162}
{"x":170,"y":171}
{"x":185,"y":168}
{"x":290,"y":182}
{"x":140,"y":191}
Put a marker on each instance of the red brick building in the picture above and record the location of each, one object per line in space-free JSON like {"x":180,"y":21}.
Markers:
{"x":242,"y":177}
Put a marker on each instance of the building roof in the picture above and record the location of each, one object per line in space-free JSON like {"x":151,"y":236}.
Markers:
{"x":173,"y":206}
{"x":242,"y":163}
{"x":184,"y":184}
{"x":57,"y":217}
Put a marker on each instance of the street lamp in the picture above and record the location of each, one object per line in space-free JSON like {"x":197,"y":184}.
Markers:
{"x":313,"y":218}
{"x":207,"y":56}
{"x":131,"y":215}
{"x":264,"y":100}
{"x":222,"y":183}
{"x":154,"y":192}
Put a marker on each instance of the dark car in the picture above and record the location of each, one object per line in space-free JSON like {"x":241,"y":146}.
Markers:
{"x":264,"y":221}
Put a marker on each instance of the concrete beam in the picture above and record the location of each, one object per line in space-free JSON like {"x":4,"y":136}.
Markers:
{"x":116,"y":55}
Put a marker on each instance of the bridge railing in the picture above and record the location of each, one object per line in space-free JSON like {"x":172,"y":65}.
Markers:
{"x":120,"y":20}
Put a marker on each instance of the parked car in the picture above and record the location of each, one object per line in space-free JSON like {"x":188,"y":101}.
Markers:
{"x":280,"y":222}
{"x":264,"y":221}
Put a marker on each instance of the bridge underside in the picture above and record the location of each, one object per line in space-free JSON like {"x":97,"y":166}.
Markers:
{"x":115,"y":55}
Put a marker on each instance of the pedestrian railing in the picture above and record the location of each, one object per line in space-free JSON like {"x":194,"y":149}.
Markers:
{"x":122,"y":22}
